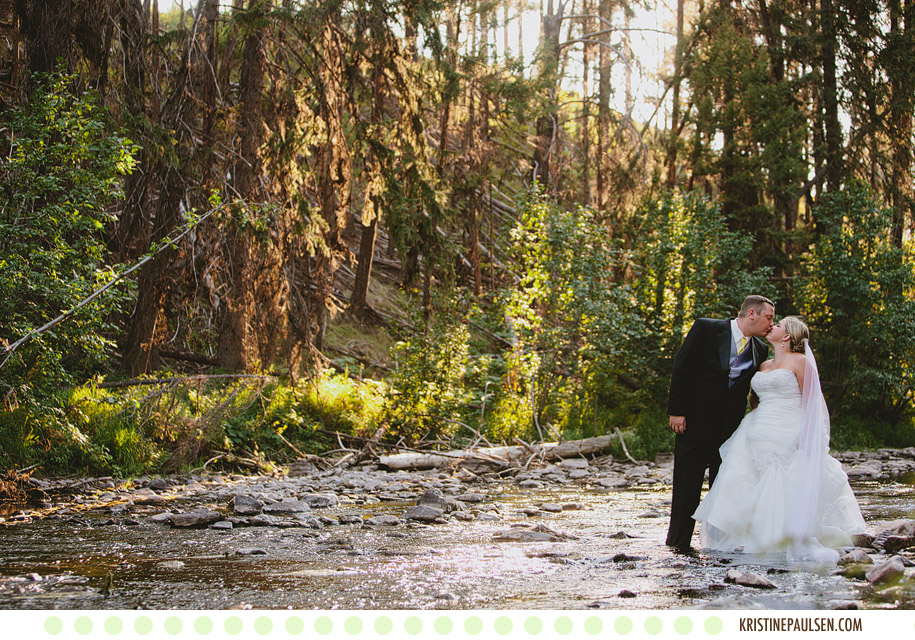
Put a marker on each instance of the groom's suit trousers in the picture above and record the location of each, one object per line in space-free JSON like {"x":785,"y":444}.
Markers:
{"x":691,"y":459}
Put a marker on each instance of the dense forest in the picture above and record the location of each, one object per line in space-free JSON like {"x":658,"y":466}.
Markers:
{"x":236,"y":233}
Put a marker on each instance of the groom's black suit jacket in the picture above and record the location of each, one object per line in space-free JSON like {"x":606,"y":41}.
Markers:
{"x":699,"y":386}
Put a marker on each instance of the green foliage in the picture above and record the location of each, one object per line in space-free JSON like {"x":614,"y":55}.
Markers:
{"x":141,"y":429}
{"x":688,"y":265}
{"x":648,"y":436}
{"x":427,"y":390}
{"x":749,"y":131}
{"x":858,"y":297}
{"x":81,"y":430}
{"x":567,"y":313}
{"x":59,"y":172}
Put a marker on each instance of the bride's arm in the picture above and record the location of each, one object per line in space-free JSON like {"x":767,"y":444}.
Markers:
{"x":797,"y":365}
{"x":754,"y":399}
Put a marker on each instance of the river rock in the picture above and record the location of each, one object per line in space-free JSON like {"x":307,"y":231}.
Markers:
{"x":530,"y":484}
{"x":665,"y":459}
{"x":855,"y":571}
{"x":153,"y":500}
{"x":162,"y":518}
{"x":300,"y":468}
{"x":157,"y":484}
{"x":222,"y":525}
{"x":243,"y":505}
{"x":383,"y":521}
{"x":423,"y":513}
{"x":856,"y":556}
{"x":265,"y":520}
{"x":350,"y":518}
{"x":476,"y":466}
{"x":612,"y":482}
{"x":898,"y":467}
{"x":551,"y":507}
{"x":524,"y":535}
{"x":889,"y":571}
{"x":748,"y":579}
{"x":287,"y":507}
{"x":573,"y":463}
{"x":251,"y":551}
{"x":170,"y":564}
{"x":869,"y":469}
{"x":537,"y":533}
{"x":865,"y":540}
{"x":196,"y":518}
{"x":470,"y":498}
{"x":320,"y":500}
{"x":434,"y":498}
{"x":625,"y":557}
{"x":899,"y":534}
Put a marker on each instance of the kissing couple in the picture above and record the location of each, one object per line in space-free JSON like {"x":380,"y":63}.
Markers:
{"x":773,"y":487}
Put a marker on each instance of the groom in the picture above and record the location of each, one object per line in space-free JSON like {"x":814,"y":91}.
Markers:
{"x":708,"y":399}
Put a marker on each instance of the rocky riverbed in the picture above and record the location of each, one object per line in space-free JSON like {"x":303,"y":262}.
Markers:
{"x":578,"y":533}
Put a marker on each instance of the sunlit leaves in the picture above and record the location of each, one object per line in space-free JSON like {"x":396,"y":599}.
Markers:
{"x":59,"y":173}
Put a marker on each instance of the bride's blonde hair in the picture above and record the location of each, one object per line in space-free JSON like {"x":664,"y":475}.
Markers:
{"x":797,"y":330}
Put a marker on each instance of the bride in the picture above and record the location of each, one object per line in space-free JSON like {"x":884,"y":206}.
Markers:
{"x":778,"y":489}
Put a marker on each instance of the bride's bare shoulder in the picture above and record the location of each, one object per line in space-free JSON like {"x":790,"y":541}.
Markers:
{"x":797,"y":362}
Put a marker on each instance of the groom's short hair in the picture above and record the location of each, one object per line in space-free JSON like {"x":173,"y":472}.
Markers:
{"x":754,"y":302}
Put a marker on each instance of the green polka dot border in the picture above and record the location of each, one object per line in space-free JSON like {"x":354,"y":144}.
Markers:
{"x":431,"y":624}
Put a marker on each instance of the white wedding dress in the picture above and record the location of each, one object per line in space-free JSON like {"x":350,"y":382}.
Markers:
{"x":765,"y":479}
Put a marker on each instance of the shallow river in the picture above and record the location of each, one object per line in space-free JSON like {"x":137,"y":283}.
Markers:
{"x":456,"y":565}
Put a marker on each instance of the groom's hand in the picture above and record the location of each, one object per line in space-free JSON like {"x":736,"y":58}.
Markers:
{"x":678,"y":424}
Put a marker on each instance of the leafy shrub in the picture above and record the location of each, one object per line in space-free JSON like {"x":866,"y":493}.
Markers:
{"x":59,"y":173}
{"x":427,"y":393}
{"x":859,"y":297}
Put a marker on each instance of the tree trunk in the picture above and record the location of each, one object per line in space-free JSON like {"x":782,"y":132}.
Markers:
{"x":675,"y":108}
{"x":586,"y":108}
{"x":235,"y":344}
{"x":547,"y":129}
{"x":605,"y":10}
{"x":141,"y":347}
{"x":333,"y":172}
{"x":371,"y":209}
{"x":900,"y":72}
{"x":834,"y":161}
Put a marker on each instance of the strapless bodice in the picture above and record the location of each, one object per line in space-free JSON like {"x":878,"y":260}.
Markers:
{"x":776,"y":383}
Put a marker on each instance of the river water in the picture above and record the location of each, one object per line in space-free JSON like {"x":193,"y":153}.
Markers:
{"x":616,"y":560}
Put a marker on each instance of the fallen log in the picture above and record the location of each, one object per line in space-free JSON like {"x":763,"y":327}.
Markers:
{"x":494,"y":458}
